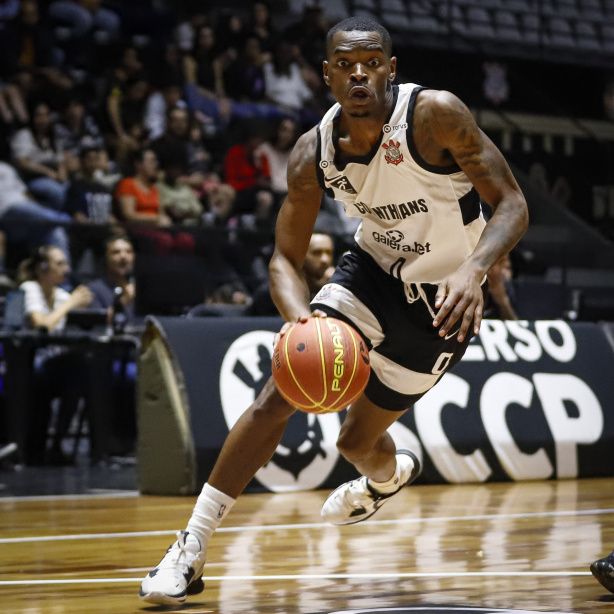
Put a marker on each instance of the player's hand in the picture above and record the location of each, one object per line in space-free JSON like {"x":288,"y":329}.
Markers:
{"x":459,"y":297}
{"x":316,"y":313}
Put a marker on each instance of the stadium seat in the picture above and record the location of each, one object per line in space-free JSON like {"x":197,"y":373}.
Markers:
{"x":424,"y":17}
{"x":531,"y":28}
{"x":566,"y":8}
{"x":560,"y":34}
{"x":394,"y":15}
{"x":479,"y":24}
{"x":506,"y":26}
{"x":586,"y":36}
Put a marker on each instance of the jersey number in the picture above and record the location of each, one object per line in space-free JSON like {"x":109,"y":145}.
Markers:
{"x":395,"y":267}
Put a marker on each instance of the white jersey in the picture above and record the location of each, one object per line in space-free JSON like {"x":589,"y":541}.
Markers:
{"x":419,"y":222}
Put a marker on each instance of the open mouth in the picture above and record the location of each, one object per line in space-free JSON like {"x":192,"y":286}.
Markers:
{"x":359,"y":93}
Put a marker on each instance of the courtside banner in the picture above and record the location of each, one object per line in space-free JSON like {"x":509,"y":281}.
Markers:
{"x":530,"y":400}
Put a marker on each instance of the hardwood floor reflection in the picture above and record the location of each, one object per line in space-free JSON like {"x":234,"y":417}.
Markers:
{"x":524,"y":546}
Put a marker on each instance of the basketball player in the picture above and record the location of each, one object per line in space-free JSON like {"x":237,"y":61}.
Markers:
{"x":603,"y":570}
{"x":412,"y":163}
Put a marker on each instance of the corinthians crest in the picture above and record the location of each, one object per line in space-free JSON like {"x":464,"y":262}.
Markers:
{"x":393,"y":153}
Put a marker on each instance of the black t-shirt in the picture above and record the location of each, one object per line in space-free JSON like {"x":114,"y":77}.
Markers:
{"x":91,"y":199}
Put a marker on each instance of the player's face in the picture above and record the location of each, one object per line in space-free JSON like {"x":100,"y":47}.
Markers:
{"x":359,"y":72}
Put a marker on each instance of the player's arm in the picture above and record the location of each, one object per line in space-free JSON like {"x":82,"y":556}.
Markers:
{"x":295,"y":223}
{"x":454,"y":129}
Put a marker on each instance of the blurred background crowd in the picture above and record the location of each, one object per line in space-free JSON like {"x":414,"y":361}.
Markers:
{"x":172,"y":123}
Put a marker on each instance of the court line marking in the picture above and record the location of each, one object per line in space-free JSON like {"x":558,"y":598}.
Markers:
{"x":315,"y":525}
{"x":100,"y":494}
{"x":328,"y":576}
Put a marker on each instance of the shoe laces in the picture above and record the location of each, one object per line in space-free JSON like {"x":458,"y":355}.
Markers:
{"x":177,"y":552}
{"x":358,"y":491}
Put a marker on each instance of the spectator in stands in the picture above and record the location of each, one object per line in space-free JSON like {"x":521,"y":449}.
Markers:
{"x":126,"y":113}
{"x":28,"y":56}
{"x":310,"y":35}
{"x":199,"y":157}
{"x":248,"y":175}
{"x":284,"y":83}
{"x":185,"y":32}
{"x":139,"y":201}
{"x":18,"y":209}
{"x":277,"y":154}
{"x":244,"y":77}
{"x":172,"y":146}
{"x":85,"y":17}
{"x":58,"y":372}
{"x":221,"y":203}
{"x":231,"y":33}
{"x":76,"y":130}
{"x":203,"y":65}
{"x":177,"y":199}
{"x":261,"y":26}
{"x":318,"y":268}
{"x":119,"y":419}
{"x":88,"y":201}
{"x":130,"y":66}
{"x":118,"y":271}
{"x":39,"y":159}
{"x":159,"y":104}
{"x":500,"y":291}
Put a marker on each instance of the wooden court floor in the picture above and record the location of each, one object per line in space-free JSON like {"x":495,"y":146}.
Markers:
{"x":524,"y":546}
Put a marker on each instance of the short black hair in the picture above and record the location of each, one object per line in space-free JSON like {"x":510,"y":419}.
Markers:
{"x":361,"y":24}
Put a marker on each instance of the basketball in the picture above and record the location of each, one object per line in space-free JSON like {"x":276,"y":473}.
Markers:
{"x":321,"y":365}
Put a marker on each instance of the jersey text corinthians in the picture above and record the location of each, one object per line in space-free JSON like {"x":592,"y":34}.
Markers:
{"x":419,"y":221}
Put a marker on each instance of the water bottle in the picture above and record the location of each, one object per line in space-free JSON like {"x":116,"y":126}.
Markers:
{"x":119,"y":312}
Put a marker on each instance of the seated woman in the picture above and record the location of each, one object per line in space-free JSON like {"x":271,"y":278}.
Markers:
{"x":58,"y":371}
{"x":39,"y":159}
{"x":138,"y":198}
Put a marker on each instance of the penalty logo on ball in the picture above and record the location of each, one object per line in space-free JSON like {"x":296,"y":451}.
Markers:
{"x":308,"y":452}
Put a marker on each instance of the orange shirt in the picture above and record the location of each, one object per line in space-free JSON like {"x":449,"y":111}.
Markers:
{"x":147,"y":201}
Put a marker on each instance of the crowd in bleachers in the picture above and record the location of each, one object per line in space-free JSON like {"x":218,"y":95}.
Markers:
{"x":163,"y":118}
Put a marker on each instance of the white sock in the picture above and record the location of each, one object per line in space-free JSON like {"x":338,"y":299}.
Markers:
{"x":211,"y":507}
{"x":394,"y":483}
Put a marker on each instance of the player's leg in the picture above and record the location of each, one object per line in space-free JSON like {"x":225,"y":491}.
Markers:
{"x":365,"y":442}
{"x":249,"y":445}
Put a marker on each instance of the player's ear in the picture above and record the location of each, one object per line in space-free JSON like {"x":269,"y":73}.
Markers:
{"x":393,"y":69}
{"x":325,"y":71}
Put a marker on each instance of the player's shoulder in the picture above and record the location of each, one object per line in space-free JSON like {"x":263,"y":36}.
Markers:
{"x":304,"y":153}
{"x":439,"y":101}
{"x":302,"y":163}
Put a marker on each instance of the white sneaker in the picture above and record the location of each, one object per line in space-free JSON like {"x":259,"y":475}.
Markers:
{"x":178,"y":574}
{"x":356,"y":501}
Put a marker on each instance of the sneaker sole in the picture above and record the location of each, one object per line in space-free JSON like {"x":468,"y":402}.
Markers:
{"x":603,"y":576}
{"x":415,"y":472}
{"x":194,"y":588}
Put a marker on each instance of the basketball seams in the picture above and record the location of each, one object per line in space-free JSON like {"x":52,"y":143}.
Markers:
{"x":294,"y":379}
{"x":322,"y":358}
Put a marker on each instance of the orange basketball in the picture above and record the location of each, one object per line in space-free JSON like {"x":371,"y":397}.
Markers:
{"x":321,"y":365}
